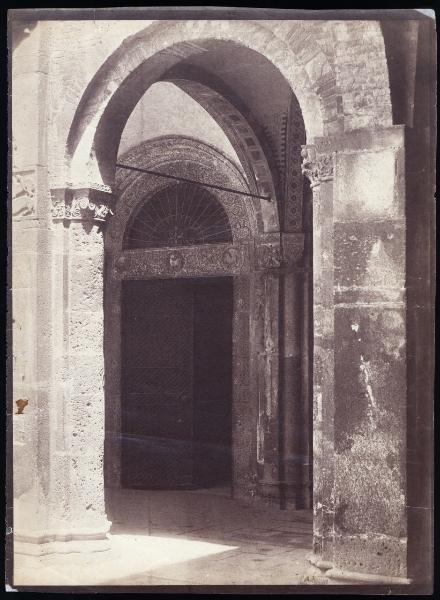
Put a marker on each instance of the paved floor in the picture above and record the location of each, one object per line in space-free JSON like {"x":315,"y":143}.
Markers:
{"x":187,"y":538}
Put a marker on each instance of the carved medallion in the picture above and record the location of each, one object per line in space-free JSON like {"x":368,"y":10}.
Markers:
{"x":231,"y":257}
{"x":175,"y":261}
{"x":122,"y":263}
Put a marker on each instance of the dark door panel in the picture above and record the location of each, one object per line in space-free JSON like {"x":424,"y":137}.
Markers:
{"x":213,"y":381}
{"x":176,"y":383}
{"x":157,"y":387}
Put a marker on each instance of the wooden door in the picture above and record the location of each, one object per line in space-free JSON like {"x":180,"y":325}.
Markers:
{"x":212,"y":381}
{"x":157,"y":384}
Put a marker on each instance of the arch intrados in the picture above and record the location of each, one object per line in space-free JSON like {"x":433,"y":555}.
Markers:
{"x":229,"y":113}
{"x":241,"y":134}
{"x":163,"y":45}
{"x":112,"y":94}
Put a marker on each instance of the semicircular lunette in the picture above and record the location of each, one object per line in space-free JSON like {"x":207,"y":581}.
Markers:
{"x":181,"y":214}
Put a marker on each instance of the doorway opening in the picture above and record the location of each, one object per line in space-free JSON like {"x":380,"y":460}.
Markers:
{"x":176,"y":383}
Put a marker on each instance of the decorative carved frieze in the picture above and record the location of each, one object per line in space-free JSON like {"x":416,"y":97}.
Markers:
{"x":222,"y":259}
{"x":317,"y":167}
{"x":80,"y":205}
{"x":285,"y":133}
{"x":23,"y":194}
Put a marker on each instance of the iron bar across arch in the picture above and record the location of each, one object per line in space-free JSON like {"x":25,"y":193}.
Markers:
{"x":193,"y":181}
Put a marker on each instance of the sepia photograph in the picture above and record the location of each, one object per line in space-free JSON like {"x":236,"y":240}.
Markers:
{"x":221,"y":294}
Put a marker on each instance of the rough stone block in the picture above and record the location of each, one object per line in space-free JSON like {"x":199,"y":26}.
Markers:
{"x":365,"y":186}
{"x":85,"y":332}
{"x":86,"y":375}
{"x":86,"y":283}
{"x":371,"y":553}
{"x":24,"y":270}
{"x":369,"y":261}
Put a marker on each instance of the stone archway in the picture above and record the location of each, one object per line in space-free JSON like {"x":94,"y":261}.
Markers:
{"x":279,"y":247}
{"x":91,"y":203}
{"x":354,"y":224}
{"x":152,"y":54}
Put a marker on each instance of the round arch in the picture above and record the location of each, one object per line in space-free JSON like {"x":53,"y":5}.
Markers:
{"x":191,"y":57}
{"x":185,"y":157}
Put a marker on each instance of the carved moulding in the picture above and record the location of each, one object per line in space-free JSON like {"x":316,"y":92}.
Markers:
{"x":182,"y":157}
{"x":316,"y":166}
{"x":222,"y":259}
{"x":82,"y":204}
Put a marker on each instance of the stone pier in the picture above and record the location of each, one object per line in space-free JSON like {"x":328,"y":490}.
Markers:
{"x":360,"y":355}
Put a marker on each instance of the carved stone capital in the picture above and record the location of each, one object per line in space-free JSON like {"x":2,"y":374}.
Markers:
{"x":317,"y":167}
{"x":92,"y":186}
{"x":83,"y":204}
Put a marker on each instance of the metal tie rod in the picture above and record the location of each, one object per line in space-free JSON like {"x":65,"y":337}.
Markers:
{"x":210,"y":185}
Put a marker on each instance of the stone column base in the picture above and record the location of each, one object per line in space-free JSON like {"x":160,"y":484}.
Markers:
{"x":315,"y":574}
{"x":317,"y":561}
{"x":333,"y":575}
{"x":62,"y":542}
{"x":359,"y":578}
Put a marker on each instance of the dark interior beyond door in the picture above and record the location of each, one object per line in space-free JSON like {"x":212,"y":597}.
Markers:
{"x":176,"y":383}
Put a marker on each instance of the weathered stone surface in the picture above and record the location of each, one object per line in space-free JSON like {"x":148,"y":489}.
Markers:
{"x":367,"y":187}
{"x":369,"y":263}
{"x":374,"y":554}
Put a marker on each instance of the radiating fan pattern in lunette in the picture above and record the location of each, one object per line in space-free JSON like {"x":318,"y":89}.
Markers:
{"x":179,"y":215}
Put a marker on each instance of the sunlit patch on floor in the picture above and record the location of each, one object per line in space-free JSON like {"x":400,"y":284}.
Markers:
{"x":129,"y":555}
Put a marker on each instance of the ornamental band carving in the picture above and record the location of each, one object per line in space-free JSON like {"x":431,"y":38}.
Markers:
{"x":226,"y":259}
{"x":274,"y":255}
{"x":80,"y":207}
{"x":268,"y":256}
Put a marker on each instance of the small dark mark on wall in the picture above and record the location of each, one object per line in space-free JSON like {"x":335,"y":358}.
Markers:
{"x":21,"y":404}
